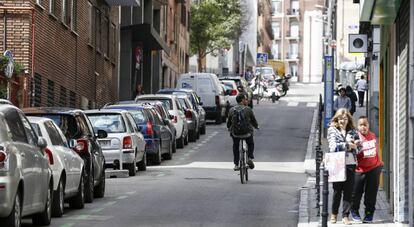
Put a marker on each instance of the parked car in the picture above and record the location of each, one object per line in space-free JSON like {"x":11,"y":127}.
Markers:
{"x":75,"y":125}
{"x":67,"y":166}
{"x":208,"y":87}
{"x":191,"y":116}
{"x":157,"y":136}
{"x":242,"y":85}
{"x":167,"y":119}
{"x":175,"y":109}
{"x":26,"y":181}
{"x":195,"y":100}
{"x":123,"y":136}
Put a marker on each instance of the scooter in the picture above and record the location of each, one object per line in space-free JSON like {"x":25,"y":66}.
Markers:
{"x":282,"y":84}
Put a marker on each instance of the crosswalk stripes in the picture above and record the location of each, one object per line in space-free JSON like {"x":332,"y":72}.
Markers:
{"x":289,"y":103}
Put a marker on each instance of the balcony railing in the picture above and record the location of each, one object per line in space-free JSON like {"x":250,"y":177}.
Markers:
{"x":289,"y":35}
{"x":293,"y":13}
{"x":292,"y":56}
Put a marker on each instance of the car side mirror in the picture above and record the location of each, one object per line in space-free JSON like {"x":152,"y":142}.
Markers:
{"x":139,"y":128}
{"x":201,"y":103}
{"x":166,"y":121}
{"x":41,"y":142}
{"x":102,"y":134}
{"x":73,"y":143}
{"x":171,"y":117}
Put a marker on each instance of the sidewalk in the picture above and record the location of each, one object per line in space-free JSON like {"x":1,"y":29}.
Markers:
{"x":308,"y":213}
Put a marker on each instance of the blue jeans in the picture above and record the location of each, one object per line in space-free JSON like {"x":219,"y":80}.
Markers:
{"x":236,"y":147}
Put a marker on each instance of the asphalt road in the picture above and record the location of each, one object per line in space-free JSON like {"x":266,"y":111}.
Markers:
{"x":198,"y":186}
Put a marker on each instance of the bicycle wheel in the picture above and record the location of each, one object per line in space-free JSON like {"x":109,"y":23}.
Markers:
{"x":246,"y":167}
{"x":242,"y":165}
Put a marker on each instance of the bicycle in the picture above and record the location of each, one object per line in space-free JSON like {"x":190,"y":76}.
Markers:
{"x":244,"y":174}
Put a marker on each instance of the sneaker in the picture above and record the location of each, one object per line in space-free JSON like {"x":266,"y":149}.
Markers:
{"x":346,"y":221}
{"x":236,"y":168}
{"x":369,"y":217}
{"x":333,"y":218}
{"x":356,"y":217}
{"x":250,"y":164}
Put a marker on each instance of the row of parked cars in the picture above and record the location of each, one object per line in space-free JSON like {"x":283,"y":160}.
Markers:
{"x":53,"y":155}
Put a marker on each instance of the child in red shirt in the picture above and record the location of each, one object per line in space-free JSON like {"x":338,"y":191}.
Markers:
{"x":367,"y":173}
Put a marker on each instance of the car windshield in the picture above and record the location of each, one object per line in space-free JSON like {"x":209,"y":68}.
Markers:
{"x":166,"y":102}
{"x":67,"y":123}
{"x":111,"y":123}
{"x":264,"y":70}
{"x":138,"y":116}
{"x":228,"y":85}
{"x":36,"y":128}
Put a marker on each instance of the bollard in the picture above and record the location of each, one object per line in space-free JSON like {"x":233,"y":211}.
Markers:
{"x":325,"y":198}
{"x":317,"y":177}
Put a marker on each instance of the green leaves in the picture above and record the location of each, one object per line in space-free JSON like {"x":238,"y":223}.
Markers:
{"x":214,"y":25}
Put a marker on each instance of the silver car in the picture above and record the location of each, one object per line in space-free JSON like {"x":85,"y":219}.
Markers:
{"x":192,"y":117}
{"x":123,"y":135}
{"x":26,"y":182}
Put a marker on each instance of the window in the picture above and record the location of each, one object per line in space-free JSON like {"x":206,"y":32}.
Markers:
{"x":39,"y":2}
{"x":91,"y":14}
{"x":30,"y":134}
{"x":74,"y":15}
{"x":54,"y":135}
{"x":275,"y":50}
{"x":37,"y":97}
{"x":16,"y":127}
{"x":112,"y":42}
{"x":294,"y":29}
{"x":98,"y":31}
{"x":72,"y":99}
{"x":105,"y":36}
{"x":293,"y":50}
{"x":276,"y":7}
{"x":66,"y":12}
{"x":276,"y":29}
{"x":183,"y":15}
{"x":294,"y":5}
{"x":62,"y":97}
{"x":52,"y":7}
{"x":50,"y":93}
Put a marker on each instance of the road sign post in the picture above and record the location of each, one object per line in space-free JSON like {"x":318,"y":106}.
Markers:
{"x":328,"y":89}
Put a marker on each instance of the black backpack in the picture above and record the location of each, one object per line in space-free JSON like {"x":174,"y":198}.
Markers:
{"x":239,"y":122}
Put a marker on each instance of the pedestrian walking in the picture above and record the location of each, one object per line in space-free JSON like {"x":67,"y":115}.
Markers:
{"x":361,"y":87}
{"x":341,"y":137}
{"x":353,"y":97}
{"x":342,"y":101}
{"x":139,"y":90}
{"x":367,"y":173}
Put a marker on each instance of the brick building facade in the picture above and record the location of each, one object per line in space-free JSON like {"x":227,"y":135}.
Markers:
{"x":75,"y":47}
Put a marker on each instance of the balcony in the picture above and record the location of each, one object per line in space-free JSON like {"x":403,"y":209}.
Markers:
{"x":276,"y":56}
{"x":292,"y":57}
{"x":293,"y":13}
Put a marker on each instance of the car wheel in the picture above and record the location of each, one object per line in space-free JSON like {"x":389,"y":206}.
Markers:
{"x":193,"y":136}
{"x":131,"y":169}
{"x":89,"y":187}
{"x":78,"y":202}
{"x":180,"y":141}
{"x":203,"y":129}
{"x":142,"y":165}
{"x":45,"y":216}
{"x":186,"y":139}
{"x":198,"y":133}
{"x":14,"y":219}
{"x":58,"y":200}
{"x":99,"y":190}
{"x":174,"y":146}
{"x":168,"y":156}
{"x":156,"y":160}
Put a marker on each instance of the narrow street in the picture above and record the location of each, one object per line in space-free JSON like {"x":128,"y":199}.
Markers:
{"x":198,"y":186}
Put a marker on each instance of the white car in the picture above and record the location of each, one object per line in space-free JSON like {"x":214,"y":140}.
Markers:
{"x":123,"y":134}
{"x":230,"y":91}
{"x":67,"y":166}
{"x":175,"y":109}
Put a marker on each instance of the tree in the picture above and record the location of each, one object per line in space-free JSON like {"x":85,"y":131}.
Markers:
{"x":215,"y":24}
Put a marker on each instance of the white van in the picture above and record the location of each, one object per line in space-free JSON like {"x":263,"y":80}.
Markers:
{"x":208,"y":88}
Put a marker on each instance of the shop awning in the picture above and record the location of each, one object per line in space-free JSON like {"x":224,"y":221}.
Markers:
{"x":379,"y":11}
{"x":148,"y":36}
{"x":123,"y":2}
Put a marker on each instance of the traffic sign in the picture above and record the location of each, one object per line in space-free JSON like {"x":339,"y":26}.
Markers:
{"x":10,"y":66}
{"x":261,"y":58}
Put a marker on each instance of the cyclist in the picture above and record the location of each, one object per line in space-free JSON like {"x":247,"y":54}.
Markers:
{"x":241,"y":127}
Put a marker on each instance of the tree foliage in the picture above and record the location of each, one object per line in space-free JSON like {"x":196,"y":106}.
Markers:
{"x":215,"y":24}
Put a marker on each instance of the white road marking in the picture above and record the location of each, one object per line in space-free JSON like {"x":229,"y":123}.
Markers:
{"x":311,"y":104}
{"x":292,"y":104}
{"x":289,"y":167}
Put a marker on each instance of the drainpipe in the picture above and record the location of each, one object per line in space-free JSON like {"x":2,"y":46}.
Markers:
{"x":22,"y":8}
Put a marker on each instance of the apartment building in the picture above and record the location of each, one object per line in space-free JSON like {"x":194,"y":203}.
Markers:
{"x":68,"y":50}
{"x":298,"y":30}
